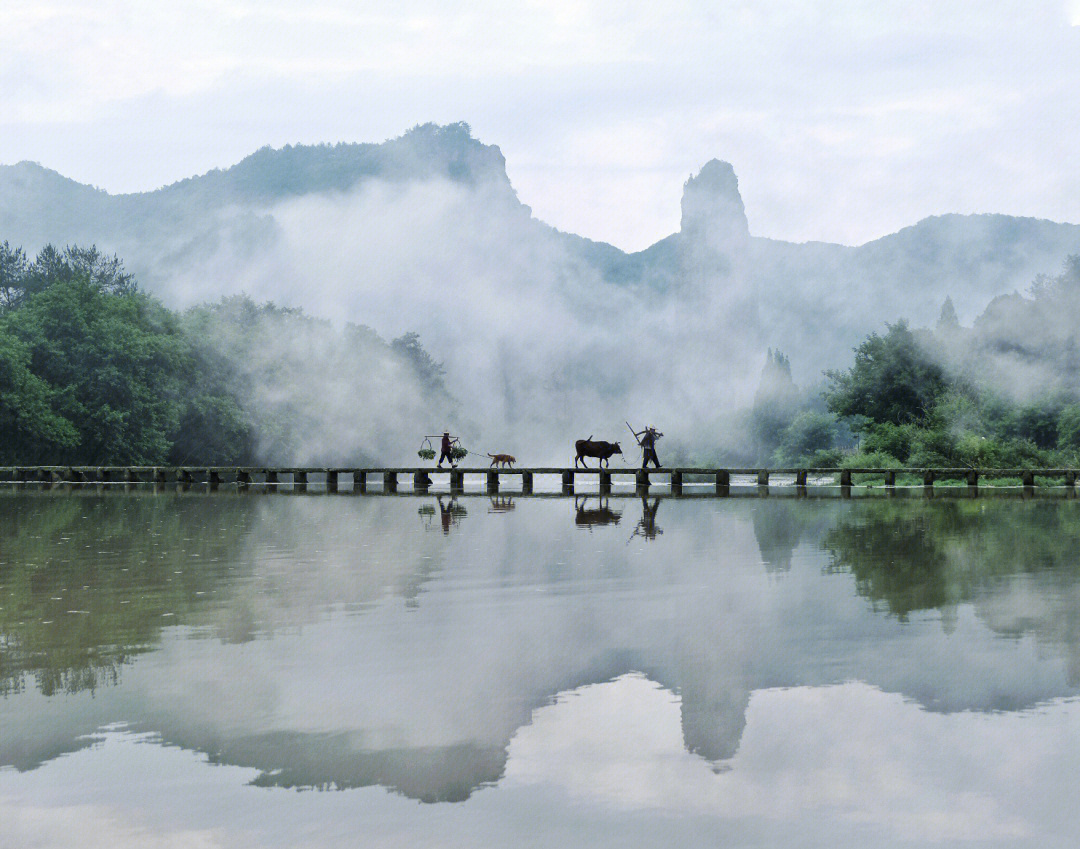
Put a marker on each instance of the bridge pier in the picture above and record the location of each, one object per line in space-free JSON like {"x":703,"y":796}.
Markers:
{"x":243,"y":479}
{"x":389,"y":481}
{"x":271,"y":478}
{"x":676,"y":483}
{"x":568,"y":482}
{"x":526,"y":483}
{"x":213,"y":478}
{"x":493,"y":482}
{"x":641,"y":480}
{"x":605,"y":483}
{"x":1070,"y":479}
{"x":928,"y":477}
{"x":972,"y":478}
{"x":457,"y":481}
{"x":800,"y":477}
{"x":183,"y":477}
{"x":421,"y":482}
{"x":890,"y":478}
{"x":359,"y":482}
{"x":763,"y":477}
{"x":1028,"y":478}
{"x":845,"y":478}
{"x":331,"y":481}
{"x":723,"y":481}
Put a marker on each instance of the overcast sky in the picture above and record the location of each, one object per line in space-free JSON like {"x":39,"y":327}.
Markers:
{"x":844,"y":120}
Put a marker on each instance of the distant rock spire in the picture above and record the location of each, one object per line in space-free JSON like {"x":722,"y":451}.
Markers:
{"x":713,"y":214}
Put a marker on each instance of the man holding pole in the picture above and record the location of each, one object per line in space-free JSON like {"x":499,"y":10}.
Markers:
{"x":647,"y":440}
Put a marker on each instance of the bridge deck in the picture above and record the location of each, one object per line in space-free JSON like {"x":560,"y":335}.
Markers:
{"x":421,"y":477}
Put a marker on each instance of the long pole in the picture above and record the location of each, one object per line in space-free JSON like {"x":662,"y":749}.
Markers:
{"x":638,"y":441}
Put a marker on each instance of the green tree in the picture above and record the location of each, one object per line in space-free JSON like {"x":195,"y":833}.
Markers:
{"x":893,"y":380}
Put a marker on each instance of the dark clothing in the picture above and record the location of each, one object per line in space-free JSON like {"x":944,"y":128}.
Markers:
{"x":648,"y":448}
{"x":445,"y":455}
{"x":446,"y":443}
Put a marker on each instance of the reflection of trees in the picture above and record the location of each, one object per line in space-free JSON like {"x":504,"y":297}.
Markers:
{"x":912,"y":557}
{"x":779,"y":527}
{"x":89,"y":580}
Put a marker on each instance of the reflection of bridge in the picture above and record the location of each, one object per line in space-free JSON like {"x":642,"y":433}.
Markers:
{"x":331,"y":478}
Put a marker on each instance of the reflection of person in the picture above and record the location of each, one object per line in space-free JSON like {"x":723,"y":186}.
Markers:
{"x":446,"y":515}
{"x":647,"y":440}
{"x":647,"y":526}
{"x":447,"y":449}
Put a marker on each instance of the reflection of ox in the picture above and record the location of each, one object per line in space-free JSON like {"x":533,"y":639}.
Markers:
{"x":601,"y":515}
{"x":595,"y":448}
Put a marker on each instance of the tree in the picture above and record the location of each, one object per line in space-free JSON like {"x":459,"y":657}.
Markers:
{"x":893,"y":380}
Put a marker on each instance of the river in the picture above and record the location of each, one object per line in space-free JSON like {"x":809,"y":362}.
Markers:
{"x":265,"y":670}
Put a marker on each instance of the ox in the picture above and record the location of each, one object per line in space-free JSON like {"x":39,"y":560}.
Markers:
{"x":595,"y":448}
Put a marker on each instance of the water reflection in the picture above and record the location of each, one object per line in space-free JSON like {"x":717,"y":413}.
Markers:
{"x":591,"y":512}
{"x":331,"y":643}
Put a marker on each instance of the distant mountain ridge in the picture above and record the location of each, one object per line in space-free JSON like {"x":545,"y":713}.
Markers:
{"x":814,"y":299}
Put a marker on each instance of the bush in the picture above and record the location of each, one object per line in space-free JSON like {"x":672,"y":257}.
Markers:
{"x":891,"y":439}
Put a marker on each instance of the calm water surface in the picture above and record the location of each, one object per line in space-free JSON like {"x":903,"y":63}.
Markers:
{"x":175,"y":669}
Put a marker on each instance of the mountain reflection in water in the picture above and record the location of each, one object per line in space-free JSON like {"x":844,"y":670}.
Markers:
{"x":335,"y":642}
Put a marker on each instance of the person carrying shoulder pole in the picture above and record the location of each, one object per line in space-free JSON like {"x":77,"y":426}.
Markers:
{"x":447,"y":449}
{"x":647,"y":440}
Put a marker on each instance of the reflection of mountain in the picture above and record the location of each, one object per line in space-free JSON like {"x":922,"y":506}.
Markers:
{"x":341,"y":684}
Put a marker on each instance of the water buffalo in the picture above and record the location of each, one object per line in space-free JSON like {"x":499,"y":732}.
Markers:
{"x":595,"y":448}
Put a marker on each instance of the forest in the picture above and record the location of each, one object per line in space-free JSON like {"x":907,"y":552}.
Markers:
{"x":1003,"y":393}
{"x":95,"y":371}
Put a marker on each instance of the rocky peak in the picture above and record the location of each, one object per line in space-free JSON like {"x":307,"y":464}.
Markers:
{"x":713,"y":214}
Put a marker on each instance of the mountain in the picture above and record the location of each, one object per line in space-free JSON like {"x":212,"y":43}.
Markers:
{"x":425,"y":232}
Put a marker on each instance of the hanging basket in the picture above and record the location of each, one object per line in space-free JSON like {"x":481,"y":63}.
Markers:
{"x":426,"y":452}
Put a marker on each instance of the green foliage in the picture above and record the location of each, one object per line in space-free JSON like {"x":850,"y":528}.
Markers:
{"x":891,"y":439}
{"x":808,"y":435}
{"x":92,"y":371}
{"x":893,"y":380}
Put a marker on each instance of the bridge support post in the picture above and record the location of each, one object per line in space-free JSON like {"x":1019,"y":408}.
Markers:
{"x":845,"y":478}
{"x":972,"y":478}
{"x":359,"y":481}
{"x":271,"y":479}
{"x":800,"y":477}
{"x":890,"y":478}
{"x":1028,"y":478}
{"x":763,"y":477}
{"x":132,"y":476}
{"x":389,"y":481}
{"x":928,"y":478}
{"x":676,"y":483}
{"x":641,"y":479}
{"x":105,"y":476}
{"x":1070,"y":478}
{"x":568,"y":482}
{"x":184,"y":478}
{"x":723,"y":481}
{"x":526,"y":483}
{"x":243,"y":479}
{"x":420,"y":482}
{"x":331,"y":480}
{"x":605,"y":483}
{"x":457,"y":481}
{"x":213,"y":477}
{"x":492,"y":482}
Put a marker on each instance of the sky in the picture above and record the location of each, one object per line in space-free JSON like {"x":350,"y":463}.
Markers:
{"x":844,"y":120}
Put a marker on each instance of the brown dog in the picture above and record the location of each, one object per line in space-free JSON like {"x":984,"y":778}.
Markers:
{"x":502,"y":459}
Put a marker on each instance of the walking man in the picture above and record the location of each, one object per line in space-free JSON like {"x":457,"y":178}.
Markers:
{"x":647,"y":440}
{"x":447,"y":449}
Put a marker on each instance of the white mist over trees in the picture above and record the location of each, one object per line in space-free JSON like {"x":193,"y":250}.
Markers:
{"x":544,"y":336}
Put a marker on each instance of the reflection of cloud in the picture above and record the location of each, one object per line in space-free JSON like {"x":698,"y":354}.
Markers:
{"x":818,"y":766}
